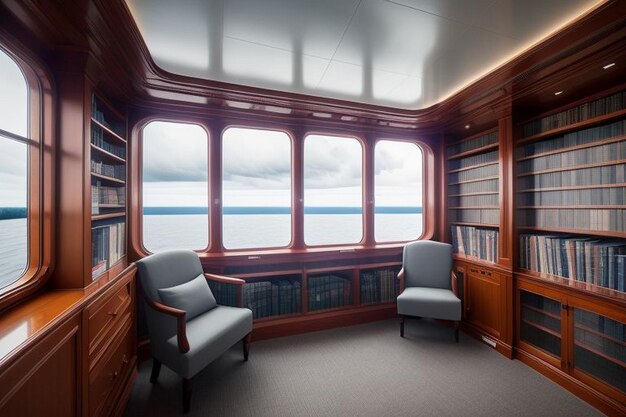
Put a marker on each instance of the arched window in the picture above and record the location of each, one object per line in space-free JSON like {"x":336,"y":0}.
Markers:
{"x":21,"y":174}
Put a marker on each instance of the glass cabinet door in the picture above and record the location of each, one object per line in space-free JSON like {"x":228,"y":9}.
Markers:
{"x":600,"y":348}
{"x":540,"y":322}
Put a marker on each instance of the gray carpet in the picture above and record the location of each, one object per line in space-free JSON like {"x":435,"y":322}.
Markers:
{"x":365,"y":370}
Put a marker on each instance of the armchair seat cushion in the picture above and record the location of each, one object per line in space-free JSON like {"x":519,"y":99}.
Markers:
{"x":209,"y":335}
{"x":436,"y":303}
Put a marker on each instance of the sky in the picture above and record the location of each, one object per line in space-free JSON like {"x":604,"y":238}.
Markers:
{"x":13,"y":117}
{"x":257,"y":169}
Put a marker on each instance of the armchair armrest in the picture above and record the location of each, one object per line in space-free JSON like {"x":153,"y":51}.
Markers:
{"x":401,"y":278}
{"x":454,"y":283}
{"x":229,"y":280}
{"x":181,"y":329}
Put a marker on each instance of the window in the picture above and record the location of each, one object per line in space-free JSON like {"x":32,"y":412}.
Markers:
{"x":14,"y":171}
{"x":256,"y":188}
{"x":333,"y":190}
{"x":398,"y":191}
{"x":175,"y":186}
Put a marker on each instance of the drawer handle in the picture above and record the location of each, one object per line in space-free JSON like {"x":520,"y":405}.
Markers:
{"x":114,"y":374}
{"x":112,"y":313}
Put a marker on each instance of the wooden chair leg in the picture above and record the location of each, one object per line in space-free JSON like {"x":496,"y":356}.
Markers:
{"x":401,"y":326}
{"x":456,"y":331}
{"x":186,"y":394}
{"x":246,"y":346}
{"x":156,"y":370}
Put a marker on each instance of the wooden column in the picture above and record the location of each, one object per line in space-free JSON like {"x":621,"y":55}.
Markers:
{"x":368,"y":190}
{"x":297,"y":189}
{"x":506,"y":197}
{"x":215,"y":186}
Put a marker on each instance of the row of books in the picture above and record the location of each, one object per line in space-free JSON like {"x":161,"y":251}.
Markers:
{"x":587,"y":196}
{"x":98,"y":140}
{"x":568,"y":140}
{"x":596,"y":261}
{"x":103,"y":195}
{"x":474,"y":173}
{"x":615,"y":151}
{"x":610,"y":174}
{"x":225,"y":294}
{"x":602,"y":106}
{"x":474,"y":143}
{"x":329,"y":291}
{"x":484,"y":186}
{"x":108,"y":245}
{"x":113,"y":171}
{"x":482,"y":216}
{"x":596,"y":343}
{"x":469,"y":161}
{"x":600,"y":323}
{"x":477,"y":242}
{"x":474,"y":200}
{"x":273,"y":298}
{"x":379,"y":285}
{"x":100,"y":116}
{"x":609,"y":220}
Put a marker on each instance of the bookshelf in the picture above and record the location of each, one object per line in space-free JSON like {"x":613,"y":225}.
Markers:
{"x":379,"y":285}
{"x":107,"y":168}
{"x":473,"y":193}
{"x":570,"y":210}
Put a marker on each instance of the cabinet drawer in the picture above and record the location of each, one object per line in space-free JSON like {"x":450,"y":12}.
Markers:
{"x":104,"y":318}
{"x":110,"y":373}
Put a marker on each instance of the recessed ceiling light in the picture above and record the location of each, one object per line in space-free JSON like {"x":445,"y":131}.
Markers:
{"x":607,"y":66}
{"x":468,"y":126}
{"x":558,"y":92}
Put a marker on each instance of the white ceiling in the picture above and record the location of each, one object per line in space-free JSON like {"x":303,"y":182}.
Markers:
{"x":400,"y":53}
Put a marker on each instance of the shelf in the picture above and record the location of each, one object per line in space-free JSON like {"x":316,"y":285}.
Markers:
{"x":471,"y":152}
{"x":601,"y":354}
{"x":486,"y":164}
{"x":575,"y":231}
{"x":108,"y":130}
{"x":599,"y":333}
{"x":120,"y":206}
{"x":542,"y":328}
{"x":572,"y":127}
{"x":96,"y":217}
{"x":572,"y":187}
{"x":493,"y":226}
{"x":600,"y":142}
{"x":473,"y":194}
{"x":540,"y":311}
{"x":494,"y":177}
{"x":573,"y":167}
{"x":585,"y":287}
{"x":473,"y":259}
{"x":108,"y":154}
{"x":107,"y":178}
{"x":475,"y":208}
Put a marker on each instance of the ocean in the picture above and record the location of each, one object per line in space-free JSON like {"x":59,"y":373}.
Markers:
{"x":242,"y":228}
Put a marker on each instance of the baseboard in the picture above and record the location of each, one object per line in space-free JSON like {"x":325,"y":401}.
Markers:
{"x":503,"y":348}
{"x":592,"y":396}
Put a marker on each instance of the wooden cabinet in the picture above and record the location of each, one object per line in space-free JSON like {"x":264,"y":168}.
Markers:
{"x":486,"y":296}
{"x":43,"y":380}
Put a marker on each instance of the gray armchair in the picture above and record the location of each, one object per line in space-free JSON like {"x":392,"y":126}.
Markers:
{"x":188,"y":330}
{"x":428,"y":284}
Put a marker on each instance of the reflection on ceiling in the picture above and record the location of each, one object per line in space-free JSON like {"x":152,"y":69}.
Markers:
{"x":400,"y":53}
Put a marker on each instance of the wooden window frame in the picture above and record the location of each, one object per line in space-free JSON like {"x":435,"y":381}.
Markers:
{"x":40,"y":171}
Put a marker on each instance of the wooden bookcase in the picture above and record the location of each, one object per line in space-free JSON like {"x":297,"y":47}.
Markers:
{"x":570,"y":201}
{"x":107,"y":173}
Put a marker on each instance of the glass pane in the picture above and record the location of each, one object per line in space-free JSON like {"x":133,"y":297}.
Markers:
{"x":540,"y":323}
{"x":600,"y":347}
{"x":13,"y":97}
{"x":13,"y":210}
{"x":175,"y":187}
{"x":256,"y":188}
{"x":398,"y":191}
{"x":333,"y":190}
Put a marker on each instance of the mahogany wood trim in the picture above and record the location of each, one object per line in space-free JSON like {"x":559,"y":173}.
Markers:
{"x":594,"y":144}
{"x":482,"y":149}
{"x":454,"y":283}
{"x":181,"y":331}
{"x":475,"y":135}
{"x":485,"y":164}
{"x":573,"y":167}
{"x":402,"y":279}
{"x":575,"y":231}
{"x":230,"y":280}
{"x":493,"y":177}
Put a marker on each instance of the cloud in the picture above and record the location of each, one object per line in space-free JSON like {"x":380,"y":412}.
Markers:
{"x":13,"y":173}
{"x":332,"y":162}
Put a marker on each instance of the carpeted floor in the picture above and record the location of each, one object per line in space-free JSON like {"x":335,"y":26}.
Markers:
{"x":365,"y":370}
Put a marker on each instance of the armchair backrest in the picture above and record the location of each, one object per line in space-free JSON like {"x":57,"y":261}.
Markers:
{"x":167,"y":269}
{"x":427,"y":264}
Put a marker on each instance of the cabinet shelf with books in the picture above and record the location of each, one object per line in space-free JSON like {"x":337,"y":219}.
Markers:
{"x":272,"y":295}
{"x":107,"y":169}
{"x":473,"y":196}
{"x":379,"y":284}
{"x":571,"y":198}
{"x":330,"y":289}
